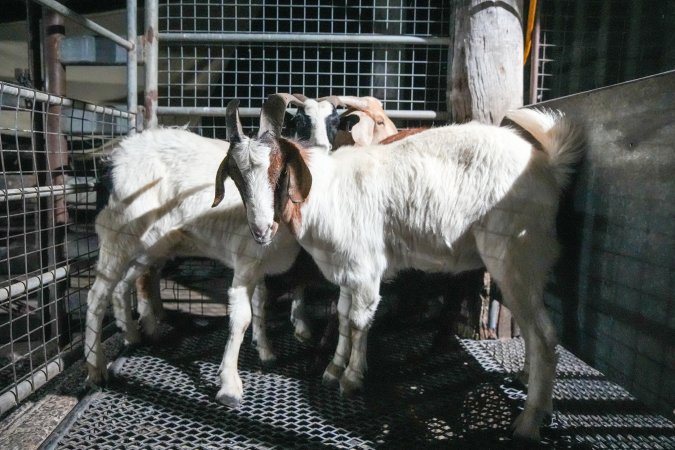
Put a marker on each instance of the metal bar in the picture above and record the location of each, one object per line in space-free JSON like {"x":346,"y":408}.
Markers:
{"x":151,"y":50}
{"x":14,"y":396}
{"x":534,"y":57}
{"x":29,"y":284}
{"x":54,"y":213}
{"x":132,"y":66}
{"x":255,"y":112}
{"x":42,"y":191}
{"x":305,"y":38}
{"x":81,"y":20}
{"x":56,"y":100}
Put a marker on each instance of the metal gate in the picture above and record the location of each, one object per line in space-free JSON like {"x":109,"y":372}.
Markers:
{"x":50,"y":190}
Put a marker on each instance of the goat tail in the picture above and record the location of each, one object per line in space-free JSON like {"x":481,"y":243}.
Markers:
{"x":562,"y":140}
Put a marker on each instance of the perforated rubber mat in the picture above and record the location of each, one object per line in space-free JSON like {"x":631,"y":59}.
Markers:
{"x":416,"y":397}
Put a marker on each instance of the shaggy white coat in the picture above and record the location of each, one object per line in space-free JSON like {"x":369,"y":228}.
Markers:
{"x":160,"y":208}
{"x":445,"y":200}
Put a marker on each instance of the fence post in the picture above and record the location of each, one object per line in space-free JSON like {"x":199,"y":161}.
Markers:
{"x":132,"y":65}
{"x":151,"y":49}
{"x":56,"y":165}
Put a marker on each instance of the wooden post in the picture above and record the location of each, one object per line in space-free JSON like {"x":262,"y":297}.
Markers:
{"x":486,"y":74}
{"x":486,"y":77}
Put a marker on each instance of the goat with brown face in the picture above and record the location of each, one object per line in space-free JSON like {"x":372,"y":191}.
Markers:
{"x":445,"y":200}
{"x":159,"y":209}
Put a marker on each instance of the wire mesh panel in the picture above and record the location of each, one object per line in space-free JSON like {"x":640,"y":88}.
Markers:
{"x":212,"y":52}
{"x":591,"y":44}
{"x":51,"y":151}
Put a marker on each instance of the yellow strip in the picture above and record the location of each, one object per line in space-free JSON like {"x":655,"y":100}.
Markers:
{"x":530,"y":26}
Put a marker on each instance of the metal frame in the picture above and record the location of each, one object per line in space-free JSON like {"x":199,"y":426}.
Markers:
{"x":53,"y":144}
{"x":384,"y":41}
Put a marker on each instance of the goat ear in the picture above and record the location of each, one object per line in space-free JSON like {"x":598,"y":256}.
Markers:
{"x":362,"y":132}
{"x":299,"y":181}
{"x":221,"y":176}
{"x":342,"y":138}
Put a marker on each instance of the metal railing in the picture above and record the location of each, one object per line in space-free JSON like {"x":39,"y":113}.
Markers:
{"x":50,"y":155}
{"x":210,"y":52}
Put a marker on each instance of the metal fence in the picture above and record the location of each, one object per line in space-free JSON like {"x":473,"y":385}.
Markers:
{"x":596,"y":43}
{"x":51,"y":188}
{"x":210,"y":52}
{"x":48,"y":246}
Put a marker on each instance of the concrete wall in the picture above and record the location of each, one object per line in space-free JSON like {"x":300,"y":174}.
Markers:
{"x":612,"y":293}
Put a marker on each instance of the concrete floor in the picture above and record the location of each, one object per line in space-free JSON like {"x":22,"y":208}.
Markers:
{"x":27,"y":426}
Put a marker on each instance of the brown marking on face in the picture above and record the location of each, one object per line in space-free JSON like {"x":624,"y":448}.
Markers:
{"x":401,"y":135}
{"x":276,"y":166}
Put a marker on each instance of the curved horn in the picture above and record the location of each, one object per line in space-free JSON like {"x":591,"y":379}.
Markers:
{"x":301,"y":97}
{"x":354,"y":102}
{"x":273,"y":111}
{"x":333,"y":100}
{"x":221,"y":176}
{"x":232,"y":122}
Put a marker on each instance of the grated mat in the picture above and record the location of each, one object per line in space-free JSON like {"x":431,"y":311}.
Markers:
{"x":162,"y":396}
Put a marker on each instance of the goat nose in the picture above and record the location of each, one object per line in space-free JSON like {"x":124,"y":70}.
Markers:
{"x":259,"y":233}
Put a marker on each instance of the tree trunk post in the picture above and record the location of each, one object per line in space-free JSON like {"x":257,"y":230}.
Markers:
{"x":486,"y":80}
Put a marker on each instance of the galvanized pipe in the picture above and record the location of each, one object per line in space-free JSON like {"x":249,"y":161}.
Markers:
{"x":81,"y":20}
{"x":534,"y":58}
{"x":18,"y":393}
{"x":304,"y":38}
{"x":32,"y":283}
{"x":42,"y":191}
{"x":255,"y":112}
{"x":56,"y":100}
{"x":132,"y":65}
{"x":151,"y":48}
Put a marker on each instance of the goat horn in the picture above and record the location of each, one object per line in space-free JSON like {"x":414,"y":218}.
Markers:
{"x":333,"y":100}
{"x":221,"y":176}
{"x":354,"y":102}
{"x":273,"y":111}
{"x":232,"y":122}
{"x":301,"y":97}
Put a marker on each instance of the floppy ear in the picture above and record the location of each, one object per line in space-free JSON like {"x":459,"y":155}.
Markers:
{"x":298,"y":180}
{"x":362,"y":132}
{"x":221,"y":176}
{"x":342,"y":138}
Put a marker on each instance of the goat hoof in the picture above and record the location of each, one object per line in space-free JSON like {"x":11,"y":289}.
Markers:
{"x":522,"y":376}
{"x":526,"y":426}
{"x":150,"y":330}
{"x":350,"y":383}
{"x":268,"y":362}
{"x":332,"y":374}
{"x":97,"y":375}
{"x":303,"y":336}
{"x":228,"y":399}
{"x":132,"y":336}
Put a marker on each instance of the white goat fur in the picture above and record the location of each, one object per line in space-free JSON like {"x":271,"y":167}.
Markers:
{"x":148,"y":293}
{"x":448,"y":199}
{"x":174,"y":218}
{"x":161,"y":207}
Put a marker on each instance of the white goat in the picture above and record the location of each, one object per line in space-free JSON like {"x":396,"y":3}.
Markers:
{"x":159,"y":212}
{"x":160,"y":208}
{"x":316,"y":122}
{"x":448,"y":199}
